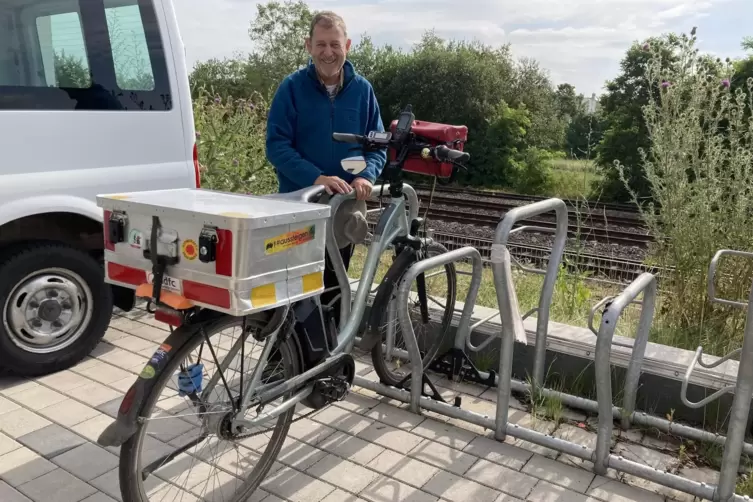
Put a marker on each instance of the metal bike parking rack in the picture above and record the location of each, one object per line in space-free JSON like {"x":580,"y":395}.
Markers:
{"x":601,"y":457}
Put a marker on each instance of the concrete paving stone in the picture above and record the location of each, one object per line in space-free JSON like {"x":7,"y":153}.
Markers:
{"x":509,"y":498}
{"x":57,"y":485}
{"x":21,"y":422}
{"x":357,"y":403}
{"x":220,"y":487}
{"x":22,"y":465}
{"x":342,"y":420}
{"x":336,"y":496}
{"x":86,"y":363}
{"x":149,"y":351}
{"x":171,"y":493}
{"x":444,"y":433}
{"x":578,"y":436}
{"x":51,"y":441}
{"x":558,"y":473}
{"x":185,"y":471}
{"x":298,"y":454}
{"x":98,"y":497}
{"x":501,"y":478}
{"x":109,"y":483}
{"x":547,"y":492}
{"x":462,"y":387}
{"x":10,"y":494}
{"x":124,"y":384}
{"x":133,"y":343}
{"x":405,"y":469}
{"x":8,"y":444}
{"x":165,"y":427}
{"x":343,"y":473}
{"x":87,"y":461}
{"x":443,"y":456}
{"x":700,"y":474}
{"x":296,"y":486}
{"x":14,"y":385}
{"x":38,"y":398}
{"x":149,"y":333}
{"x":390,"y":437}
{"x":93,"y":427}
{"x":351,"y":448}
{"x":310,"y":432}
{"x":396,"y":417}
{"x":614,"y":491}
{"x":94,"y":394}
{"x":106,"y":373}
{"x":68,"y":412}
{"x":123,"y":359}
{"x":7,"y":405}
{"x":387,"y":489}
{"x":498,"y":452}
{"x":456,"y":489}
{"x":110,"y":408}
{"x":112,"y":334}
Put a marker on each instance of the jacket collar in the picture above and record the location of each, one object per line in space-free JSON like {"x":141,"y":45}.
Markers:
{"x":347,"y":73}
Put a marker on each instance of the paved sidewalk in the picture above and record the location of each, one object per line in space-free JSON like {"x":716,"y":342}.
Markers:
{"x":366,"y":448}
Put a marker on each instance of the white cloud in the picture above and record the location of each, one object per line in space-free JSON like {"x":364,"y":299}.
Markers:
{"x":579,"y":41}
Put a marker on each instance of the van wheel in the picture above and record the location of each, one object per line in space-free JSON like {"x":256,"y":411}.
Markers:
{"x":55,"y":308}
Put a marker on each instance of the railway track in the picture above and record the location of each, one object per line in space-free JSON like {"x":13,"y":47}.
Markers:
{"x":592,"y":205}
{"x":589,"y":218}
{"x":582,"y":232}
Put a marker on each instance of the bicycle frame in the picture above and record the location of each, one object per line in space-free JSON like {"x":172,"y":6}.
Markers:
{"x":392,"y":225}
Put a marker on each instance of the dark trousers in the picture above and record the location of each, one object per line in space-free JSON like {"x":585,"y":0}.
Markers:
{"x":330,"y":280}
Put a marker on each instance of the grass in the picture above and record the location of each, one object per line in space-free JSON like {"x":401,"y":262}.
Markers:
{"x":571,"y":303}
{"x":572,"y":179}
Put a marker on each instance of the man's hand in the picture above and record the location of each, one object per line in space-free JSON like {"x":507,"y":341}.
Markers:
{"x":333,"y":184}
{"x":362,"y":187}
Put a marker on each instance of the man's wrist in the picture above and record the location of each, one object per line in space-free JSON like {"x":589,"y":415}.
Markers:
{"x":365,"y":178}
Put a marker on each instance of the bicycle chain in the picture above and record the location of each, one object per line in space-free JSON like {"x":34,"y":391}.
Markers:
{"x":257,"y":433}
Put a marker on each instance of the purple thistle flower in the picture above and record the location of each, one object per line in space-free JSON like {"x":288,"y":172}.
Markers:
{"x":251,"y":106}
{"x":217,"y":100}
{"x":726,"y":83}
{"x":235,"y":162}
{"x":646,"y":46}
{"x":665,"y":84}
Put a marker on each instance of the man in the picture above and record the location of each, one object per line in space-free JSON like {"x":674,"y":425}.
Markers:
{"x":310,"y":104}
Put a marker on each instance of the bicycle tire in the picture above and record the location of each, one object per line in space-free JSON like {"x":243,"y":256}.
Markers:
{"x":388,"y":290}
{"x":132,"y":486}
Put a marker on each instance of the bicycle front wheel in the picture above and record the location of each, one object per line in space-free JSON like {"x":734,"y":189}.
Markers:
{"x":438,"y":301}
{"x":184,"y":448}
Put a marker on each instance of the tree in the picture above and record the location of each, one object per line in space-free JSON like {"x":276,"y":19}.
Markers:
{"x":569,"y":104}
{"x":625,"y":133}
{"x":70,"y":71}
{"x":278,"y":32}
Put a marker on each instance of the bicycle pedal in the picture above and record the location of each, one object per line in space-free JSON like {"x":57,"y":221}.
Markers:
{"x":333,"y":389}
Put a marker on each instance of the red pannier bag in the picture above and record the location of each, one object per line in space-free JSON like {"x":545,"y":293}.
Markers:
{"x":436,"y":134}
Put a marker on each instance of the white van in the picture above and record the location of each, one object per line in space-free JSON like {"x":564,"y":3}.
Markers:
{"x":94,"y":98}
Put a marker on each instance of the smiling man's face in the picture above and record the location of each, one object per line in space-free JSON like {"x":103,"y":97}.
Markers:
{"x":328,"y":47}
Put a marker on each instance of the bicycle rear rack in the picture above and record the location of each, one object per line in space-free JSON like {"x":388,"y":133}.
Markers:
{"x":511,"y":320}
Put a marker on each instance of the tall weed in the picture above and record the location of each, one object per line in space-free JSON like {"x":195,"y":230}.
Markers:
{"x":700,"y":173}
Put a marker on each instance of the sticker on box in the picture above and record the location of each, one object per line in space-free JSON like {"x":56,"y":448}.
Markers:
{"x":289,"y":240}
{"x":168,"y":283}
{"x":190,"y":249}
{"x":136,"y":239}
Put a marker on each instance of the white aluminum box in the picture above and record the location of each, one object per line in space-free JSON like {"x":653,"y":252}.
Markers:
{"x":269,"y":252}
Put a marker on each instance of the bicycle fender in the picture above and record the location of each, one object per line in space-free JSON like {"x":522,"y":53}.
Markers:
{"x":126,"y":424}
{"x":372,"y":336}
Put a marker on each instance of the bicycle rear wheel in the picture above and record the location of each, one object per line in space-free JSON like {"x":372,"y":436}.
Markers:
{"x":212,"y":462}
{"x":440,"y":286}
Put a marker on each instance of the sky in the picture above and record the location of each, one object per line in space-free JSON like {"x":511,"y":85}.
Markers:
{"x":579,"y":42}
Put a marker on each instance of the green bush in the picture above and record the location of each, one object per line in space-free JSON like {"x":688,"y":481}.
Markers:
{"x":697,"y":167}
{"x":231,"y":143}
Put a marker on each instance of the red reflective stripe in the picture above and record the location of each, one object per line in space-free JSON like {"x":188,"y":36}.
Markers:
{"x":128,"y":275}
{"x":224,"y":259}
{"x":203,"y":293}
{"x":108,"y":245}
{"x":171,"y":319}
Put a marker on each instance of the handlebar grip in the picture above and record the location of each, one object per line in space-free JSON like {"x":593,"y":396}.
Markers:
{"x":347,"y":138}
{"x":444,"y":153}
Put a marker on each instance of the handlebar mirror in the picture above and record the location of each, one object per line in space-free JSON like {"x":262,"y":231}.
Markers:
{"x":354,"y":165}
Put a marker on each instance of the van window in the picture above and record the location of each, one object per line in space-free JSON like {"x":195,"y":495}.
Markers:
{"x":82,"y":55}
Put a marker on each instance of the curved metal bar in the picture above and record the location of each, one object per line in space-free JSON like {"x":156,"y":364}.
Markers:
{"x":645,"y":283}
{"x":406,"y":325}
{"x":686,"y":379}
{"x":555,"y":258}
{"x":591,"y":314}
{"x":711,"y":287}
{"x":308,"y":194}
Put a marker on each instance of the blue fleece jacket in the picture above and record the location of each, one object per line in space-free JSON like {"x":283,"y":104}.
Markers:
{"x":302,"y":118}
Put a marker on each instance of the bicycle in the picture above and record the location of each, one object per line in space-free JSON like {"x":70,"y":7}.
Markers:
{"x":288,"y":372}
